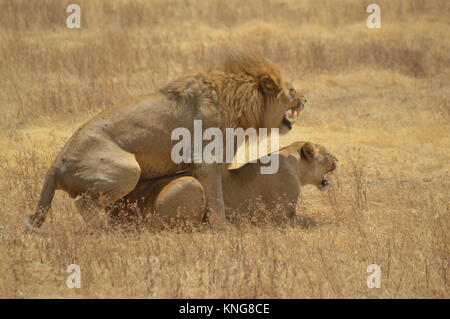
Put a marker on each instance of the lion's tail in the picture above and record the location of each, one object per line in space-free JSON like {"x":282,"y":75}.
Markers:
{"x":35,"y":221}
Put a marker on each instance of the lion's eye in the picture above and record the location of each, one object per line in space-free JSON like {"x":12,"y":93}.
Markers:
{"x":292,"y":91}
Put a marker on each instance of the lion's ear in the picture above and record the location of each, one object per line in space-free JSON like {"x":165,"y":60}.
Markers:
{"x":308,"y":151}
{"x":268,"y":84}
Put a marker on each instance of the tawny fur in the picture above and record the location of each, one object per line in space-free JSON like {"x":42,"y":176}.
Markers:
{"x":246,"y":191}
{"x":106,"y":157}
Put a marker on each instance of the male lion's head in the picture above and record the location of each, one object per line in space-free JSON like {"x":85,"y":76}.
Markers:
{"x":315,"y":165}
{"x":255,"y":94}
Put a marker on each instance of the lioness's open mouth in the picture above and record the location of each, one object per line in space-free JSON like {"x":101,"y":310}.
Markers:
{"x":325,"y":182}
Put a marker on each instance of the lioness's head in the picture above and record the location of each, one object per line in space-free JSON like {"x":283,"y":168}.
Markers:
{"x":315,"y":165}
{"x":262,"y":99}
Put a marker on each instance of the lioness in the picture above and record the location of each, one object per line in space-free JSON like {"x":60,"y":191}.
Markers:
{"x":244,"y":189}
{"x":105,"y":158}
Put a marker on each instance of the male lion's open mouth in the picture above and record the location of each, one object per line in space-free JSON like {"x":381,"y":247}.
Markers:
{"x":287,"y":123}
{"x":291,"y":115}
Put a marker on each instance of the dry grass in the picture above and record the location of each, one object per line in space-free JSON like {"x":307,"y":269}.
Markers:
{"x":378,"y":99}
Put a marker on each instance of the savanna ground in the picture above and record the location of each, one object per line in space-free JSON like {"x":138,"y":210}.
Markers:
{"x":379,"y":99}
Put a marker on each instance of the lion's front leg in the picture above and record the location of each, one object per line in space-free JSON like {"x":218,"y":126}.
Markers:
{"x":210,"y":177}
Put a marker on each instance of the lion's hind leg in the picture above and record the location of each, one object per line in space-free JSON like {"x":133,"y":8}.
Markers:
{"x":103,"y":184}
{"x":88,"y":206}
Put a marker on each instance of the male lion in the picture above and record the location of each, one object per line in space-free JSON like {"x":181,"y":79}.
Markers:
{"x":244,"y":189}
{"x":106,"y":157}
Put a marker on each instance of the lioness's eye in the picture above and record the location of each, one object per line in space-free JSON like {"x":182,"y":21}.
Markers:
{"x":292,"y":91}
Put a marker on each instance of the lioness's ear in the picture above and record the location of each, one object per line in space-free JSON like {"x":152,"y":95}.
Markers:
{"x":268,"y":84}
{"x":308,"y":151}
